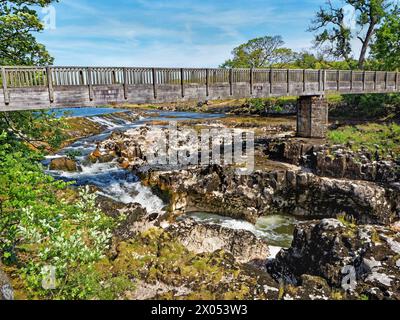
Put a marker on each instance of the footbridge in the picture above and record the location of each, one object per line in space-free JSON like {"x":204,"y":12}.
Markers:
{"x":30,"y":88}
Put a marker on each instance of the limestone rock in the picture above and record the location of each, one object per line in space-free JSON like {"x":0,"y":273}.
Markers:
{"x":64,"y":164}
{"x":200,"y":238}
{"x":333,"y":250}
{"x":100,"y":156}
{"x":219,"y":190}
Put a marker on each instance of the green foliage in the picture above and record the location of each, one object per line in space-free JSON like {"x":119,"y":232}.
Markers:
{"x":22,"y":184}
{"x":270,"y":104}
{"x":268,"y":52}
{"x":72,"y":154}
{"x":18,"y":23}
{"x":257,"y":103}
{"x":38,"y":228}
{"x":18,"y":46}
{"x":380,"y":138}
{"x":39,"y":128}
{"x":348,"y":221}
{"x":364,"y":297}
{"x":335,"y":37}
{"x":386,"y":47}
{"x":71,"y":239}
{"x":260,"y":53}
{"x":371,"y":105}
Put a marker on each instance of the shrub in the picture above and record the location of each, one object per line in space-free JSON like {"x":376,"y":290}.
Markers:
{"x":38,"y":228}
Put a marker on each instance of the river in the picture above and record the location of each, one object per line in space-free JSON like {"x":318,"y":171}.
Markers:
{"x":121,"y":185}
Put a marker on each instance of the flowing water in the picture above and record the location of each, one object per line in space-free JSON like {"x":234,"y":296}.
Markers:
{"x":276,"y":229}
{"x":123,"y":186}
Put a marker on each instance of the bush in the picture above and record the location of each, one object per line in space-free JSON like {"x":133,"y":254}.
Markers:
{"x":39,"y":228}
{"x":369,"y":106}
{"x":270,"y":105}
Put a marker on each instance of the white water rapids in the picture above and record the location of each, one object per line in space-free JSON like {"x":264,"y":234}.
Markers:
{"x":121,"y":185}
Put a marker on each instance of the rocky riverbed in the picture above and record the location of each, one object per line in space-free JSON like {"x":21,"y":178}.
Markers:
{"x":205,"y":231}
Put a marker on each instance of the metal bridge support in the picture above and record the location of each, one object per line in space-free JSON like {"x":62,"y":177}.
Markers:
{"x":312,"y":117}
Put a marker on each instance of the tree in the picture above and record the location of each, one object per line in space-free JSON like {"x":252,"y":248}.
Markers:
{"x":260,"y":53}
{"x":18,"y":46}
{"x":386,"y":47}
{"x":338,"y":36}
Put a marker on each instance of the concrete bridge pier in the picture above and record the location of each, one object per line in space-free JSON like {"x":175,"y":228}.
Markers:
{"x":312,"y":117}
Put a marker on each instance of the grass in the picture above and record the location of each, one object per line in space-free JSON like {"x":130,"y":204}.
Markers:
{"x":381,"y":138}
{"x":334,"y":98}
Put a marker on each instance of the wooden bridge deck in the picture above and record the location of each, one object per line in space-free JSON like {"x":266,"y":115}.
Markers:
{"x":27,"y":88}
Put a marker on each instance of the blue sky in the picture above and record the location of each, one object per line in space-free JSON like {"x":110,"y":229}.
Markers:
{"x":178,"y":33}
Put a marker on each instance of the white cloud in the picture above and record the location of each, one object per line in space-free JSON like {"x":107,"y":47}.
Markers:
{"x":166,"y":33}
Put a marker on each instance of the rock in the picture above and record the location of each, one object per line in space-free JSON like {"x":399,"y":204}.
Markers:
{"x":6,"y":290}
{"x":330,"y":249}
{"x":157,"y":261}
{"x":219,"y":190}
{"x":200,"y":238}
{"x":110,"y":206}
{"x":333,"y":161}
{"x":289,"y":150}
{"x":395,"y":226}
{"x":136,"y":220}
{"x":64,"y":164}
{"x":102,"y":157}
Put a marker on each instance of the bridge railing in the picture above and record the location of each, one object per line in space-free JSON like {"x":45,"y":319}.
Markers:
{"x":21,"y":77}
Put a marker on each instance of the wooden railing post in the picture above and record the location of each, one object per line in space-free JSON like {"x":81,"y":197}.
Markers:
{"x":338,"y":80}
{"x":304,"y":80}
{"x":90,"y":83}
{"x":231,"y":81}
{"x":182,"y":82}
{"x":364,"y":80}
{"x":271,"y":80}
{"x":351,"y":80}
{"x":324,"y":80}
{"x":154,"y":72}
{"x":125,"y":80}
{"x":113,"y":77}
{"x":251,"y":81}
{"x":288,"y":80}
{"x":375,"y":80}
{"x":81,"y":78}
{"x":207,"y":82}
{"x":386,"y":80}
{"x":397,"y":82}
{"x":5,"y":89}
{"x":50,"y":84}
{"x":319,"y":80}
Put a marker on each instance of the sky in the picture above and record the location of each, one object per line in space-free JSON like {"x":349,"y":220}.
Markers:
{"x":173,"y":33}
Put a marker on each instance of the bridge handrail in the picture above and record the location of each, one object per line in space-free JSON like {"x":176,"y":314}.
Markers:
{"x":39,"y":76}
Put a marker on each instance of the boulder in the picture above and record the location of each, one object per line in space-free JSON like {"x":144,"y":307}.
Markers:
{"x":219,"y":190}
{"x":136,"y":220}
{"x":200,"y":238}
{"x":102,"y":157}
{"x":335,"y":250}
{"x":333,"y":161}
{"x":64,"y":164}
